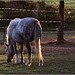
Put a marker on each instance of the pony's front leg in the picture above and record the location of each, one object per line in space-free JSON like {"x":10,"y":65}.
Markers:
{"x":16,"y":58}
{"x":28,"y":63}
{"x":21,"y":50}
{"x":16,"y":53}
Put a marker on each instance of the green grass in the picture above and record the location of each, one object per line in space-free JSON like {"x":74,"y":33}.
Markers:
{"x":49,"y":34}
{"x":53,"y":34}
{"x":68,"y":3}
{"x":52,"y":65}
{"x":56,"y":60}
{"x":2,"y":35}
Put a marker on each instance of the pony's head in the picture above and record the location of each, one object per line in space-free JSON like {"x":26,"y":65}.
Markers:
{"x":10,"y":52}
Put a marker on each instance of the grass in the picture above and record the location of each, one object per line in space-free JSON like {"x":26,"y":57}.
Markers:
{"x":57,"y":59}
{"x":52,"y":65}
{"x":51,"y":34}
{"x":68,"y":3}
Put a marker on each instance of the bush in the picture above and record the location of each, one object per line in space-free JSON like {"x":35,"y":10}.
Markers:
{"x":40,"y":5}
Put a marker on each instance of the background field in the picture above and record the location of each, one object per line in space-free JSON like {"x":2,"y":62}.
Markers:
{"x":68,"y":3}
{"x":58,"y":59}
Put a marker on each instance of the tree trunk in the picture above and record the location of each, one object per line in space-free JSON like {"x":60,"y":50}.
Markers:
{"x":60,"y":33}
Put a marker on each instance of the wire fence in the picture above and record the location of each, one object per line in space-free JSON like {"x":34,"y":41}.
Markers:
{"x":47,"y":25}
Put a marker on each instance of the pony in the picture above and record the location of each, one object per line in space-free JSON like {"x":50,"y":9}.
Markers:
{"x":24,"y":31}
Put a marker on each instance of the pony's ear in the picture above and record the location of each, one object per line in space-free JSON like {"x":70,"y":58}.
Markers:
{"x":5,"y":44}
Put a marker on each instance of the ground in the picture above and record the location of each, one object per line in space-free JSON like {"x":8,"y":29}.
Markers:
{"x":57,"y":59}
{"x":50,"y":46}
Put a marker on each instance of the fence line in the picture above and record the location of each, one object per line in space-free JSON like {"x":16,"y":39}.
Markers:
{"x":5,"y":19}
{"x":36,"y":11}
{"x":40,"y":21}
{"x":70,"y":9}
{"x":15,"y":9}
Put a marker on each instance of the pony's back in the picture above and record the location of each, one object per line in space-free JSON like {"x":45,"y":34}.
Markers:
{"x":13,"y":24}
{"x":24,"y":29}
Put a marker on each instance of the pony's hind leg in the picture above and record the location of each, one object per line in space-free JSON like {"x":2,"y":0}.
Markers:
{"x":38,"y":51}
{"x":28,"y":63}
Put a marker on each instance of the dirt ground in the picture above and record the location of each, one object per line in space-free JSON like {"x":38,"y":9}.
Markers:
{"x":49,"y":47}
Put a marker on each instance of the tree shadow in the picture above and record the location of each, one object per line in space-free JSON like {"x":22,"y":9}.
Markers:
{"x":65,"y":43}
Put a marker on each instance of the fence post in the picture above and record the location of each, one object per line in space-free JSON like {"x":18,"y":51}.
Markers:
{"x":60,"y":32}
{"x":36,"y":11}
{"x":4,"y":27}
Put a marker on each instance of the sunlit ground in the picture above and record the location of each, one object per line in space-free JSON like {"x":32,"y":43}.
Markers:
{"x":58,"y":59}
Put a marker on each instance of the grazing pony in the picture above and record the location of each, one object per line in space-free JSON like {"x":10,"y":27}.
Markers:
{"x":24,"y":31}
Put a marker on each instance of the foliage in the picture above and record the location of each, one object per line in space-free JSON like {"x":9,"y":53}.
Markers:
{"x":2,"y":4}
{"x":32,"y":6}
{"x":70,"y":15}
{"x":42,"y":16}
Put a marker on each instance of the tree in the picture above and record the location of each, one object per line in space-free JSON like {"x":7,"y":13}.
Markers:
{"x":2,"y":4}
{"x":60,"y":38}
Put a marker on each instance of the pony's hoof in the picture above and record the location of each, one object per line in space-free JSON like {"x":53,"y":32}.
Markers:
{"x":8,"y":61}
{"x":26,"y":64}
{"x":40,"y":64}
{"x":16,"y":63}
{"x":21,"y":62}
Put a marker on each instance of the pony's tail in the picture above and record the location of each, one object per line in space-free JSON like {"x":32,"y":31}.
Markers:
{"x":37,"y":38}
{"x":38,"y":29}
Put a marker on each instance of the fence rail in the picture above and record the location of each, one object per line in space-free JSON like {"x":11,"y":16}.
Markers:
{"x":15,"y":9}
{"x":28,"y":10}
{"x":40,"y":21}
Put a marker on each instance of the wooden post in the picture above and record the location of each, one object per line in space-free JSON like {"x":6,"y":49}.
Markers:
{"x":4,"y":25}
{"x":60,"y":32}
